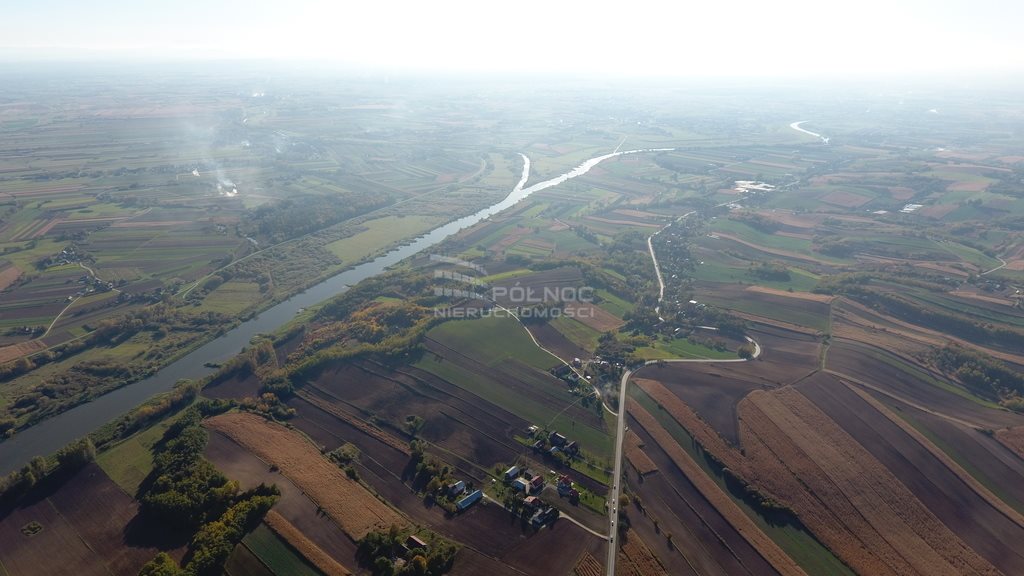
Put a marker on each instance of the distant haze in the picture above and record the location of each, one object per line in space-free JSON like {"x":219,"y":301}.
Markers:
{"x":638,"y":37}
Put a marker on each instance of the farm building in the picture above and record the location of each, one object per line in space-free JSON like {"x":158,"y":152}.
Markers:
{"x":557,"y":439}
{"x":520,"y":485}
{"x":456,"y":488}
{"x":544,"y":516}
{"x":413,"y":542}
{"x":537,"y":483}
{"x":511,"y":473}
{"x":470,"y":499}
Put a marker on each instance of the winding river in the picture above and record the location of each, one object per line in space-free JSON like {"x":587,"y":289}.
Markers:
{"x":796,"y":126}
{"x":52,"y":434}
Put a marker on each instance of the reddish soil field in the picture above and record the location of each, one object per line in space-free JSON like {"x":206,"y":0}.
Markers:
{"x":985,"y":529}
{"x":89,"y":527}
{"x":595,"y":317}
{"x":588,"y":566}
{"x":8,"y":275}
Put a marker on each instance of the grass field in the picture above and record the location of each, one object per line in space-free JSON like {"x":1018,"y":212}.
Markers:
{"x":493,"y":340}
{"x":276,"y":554}
{"x":130,"y":461}
{"x":577,"y":332}
{"x":680,"y":348}
{"x":232,"y":297}
{"x":380,"y":233}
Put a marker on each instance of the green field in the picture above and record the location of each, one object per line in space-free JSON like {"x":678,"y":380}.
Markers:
{"x":130,"y":461}
{"x":380,"y":233}
{"x":276,"y":554}
{"x":577,"y":332}
{"x":493,"y":340}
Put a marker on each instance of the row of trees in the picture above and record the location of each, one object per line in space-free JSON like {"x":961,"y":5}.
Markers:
{"x":186,"y":492}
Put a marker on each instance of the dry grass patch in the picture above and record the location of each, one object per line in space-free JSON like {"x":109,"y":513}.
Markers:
{"x":640,"y":561}
{"x":588,"y":566}
{"x":346,"y":501}
{"x":1012,"y":438}
{"x":641,"y":462}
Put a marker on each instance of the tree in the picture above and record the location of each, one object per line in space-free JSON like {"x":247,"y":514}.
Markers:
{"x":77,"y":454}
{"x":382,"y":566}
{"x":161,"y":565}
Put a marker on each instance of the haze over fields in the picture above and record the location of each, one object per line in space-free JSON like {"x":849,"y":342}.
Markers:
{"x":650,"y":38}
{"x":543,"y":288}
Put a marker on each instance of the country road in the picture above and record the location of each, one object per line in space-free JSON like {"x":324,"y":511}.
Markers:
{"x":620,"y":428}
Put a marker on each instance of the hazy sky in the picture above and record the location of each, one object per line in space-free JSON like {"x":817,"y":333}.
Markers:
{"x":676,"y":38}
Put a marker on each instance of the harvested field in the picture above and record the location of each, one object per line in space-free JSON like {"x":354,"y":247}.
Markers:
{"x":1013,"y":438}
{"x":346,"y":501}
{"x":295,"y":506}
{"x":713,"y":534}
{"x":8,"y":275}
{"x":304,"y":546}
{"x":588,"y":566}
{"x":639,"y":560}
{"x":956,"y":497}
{"x":809,"y":296}
{"x":634,"y":452}
{"x":781,"y":306}
{"x":21,"y":349}
{"x":597,"y":318}
{"x":849,"y":499}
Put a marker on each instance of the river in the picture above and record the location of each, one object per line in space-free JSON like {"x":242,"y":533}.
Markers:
{"x":796,"y":126}
{"x":50,"y":435}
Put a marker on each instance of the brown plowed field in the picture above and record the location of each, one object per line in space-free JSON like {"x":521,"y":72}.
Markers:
{"x":703,"y":537}
{"x":877,"y":367}
{"x":553,"y":340}
{"x":304,"y":546}
{"x":849,"y":499}
{"x":713,"y":390}
{"x":346,"y":501}
{"x":985,"y":528}
{"x":594,"y":316}
{"x":89,"y":527}
{"x":243,"y":466}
